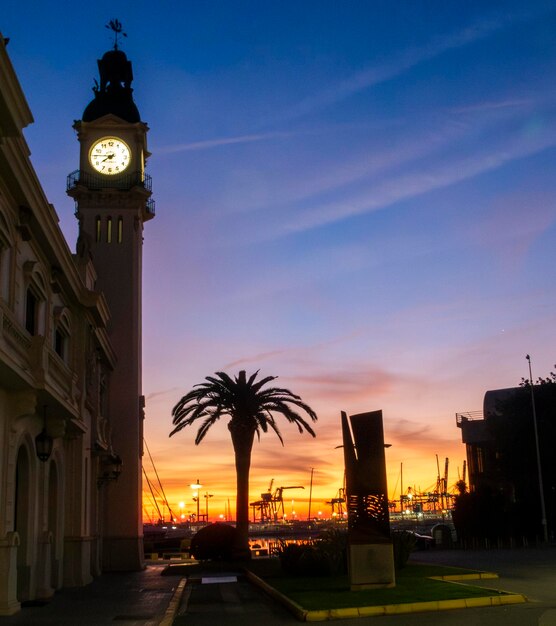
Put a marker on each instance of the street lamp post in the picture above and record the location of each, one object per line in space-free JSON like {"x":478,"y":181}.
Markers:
{"x":539,"y":467}
{"x":196,"y":486}
{"x":207,"y":496}
{"x":310,"y":495}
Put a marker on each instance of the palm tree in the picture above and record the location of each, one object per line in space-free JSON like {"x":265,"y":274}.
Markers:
{"x":251,"y":410}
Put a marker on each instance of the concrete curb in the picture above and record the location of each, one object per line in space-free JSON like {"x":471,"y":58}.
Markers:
{"x":173,"y":605}
{"x":461,"y":577}
{"x":292,"y":606}
{"x":305,"y":615}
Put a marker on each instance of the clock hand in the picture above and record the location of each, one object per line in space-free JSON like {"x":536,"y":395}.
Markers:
{"x":108,"y":156}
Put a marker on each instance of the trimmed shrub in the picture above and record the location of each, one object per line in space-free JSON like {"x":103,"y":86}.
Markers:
{"x":324,"y":556}
{"x":403,"y":543}
{"x":214,"y":542}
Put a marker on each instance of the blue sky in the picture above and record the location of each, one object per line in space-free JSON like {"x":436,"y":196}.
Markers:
{"x":359,"y":197}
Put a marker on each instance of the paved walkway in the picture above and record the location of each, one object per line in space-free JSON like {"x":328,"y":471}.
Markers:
{"x":130,"y":599}
{"x":238,"y":603}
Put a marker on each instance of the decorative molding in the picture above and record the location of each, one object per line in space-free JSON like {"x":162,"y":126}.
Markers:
{"x":56,"y":275}
{"x":28,"y":269}
{"x":58,"y":312}
{"x":24,"y":224}
{"x":10,"y":540}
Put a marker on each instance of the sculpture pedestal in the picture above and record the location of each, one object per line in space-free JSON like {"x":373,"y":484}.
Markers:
{"x":371,"y":566}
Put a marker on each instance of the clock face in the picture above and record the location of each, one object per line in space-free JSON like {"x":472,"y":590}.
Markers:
{"x":110,"y":156}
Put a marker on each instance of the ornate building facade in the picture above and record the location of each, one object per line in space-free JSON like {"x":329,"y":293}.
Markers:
{"x":71,"y":408}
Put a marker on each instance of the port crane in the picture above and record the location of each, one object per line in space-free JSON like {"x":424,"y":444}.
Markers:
{"x":270,"y":507}
{"x":338,"y":503}
{"x":437,"y":498}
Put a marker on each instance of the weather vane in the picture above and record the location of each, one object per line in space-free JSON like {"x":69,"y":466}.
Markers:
{"x":116,"y":27}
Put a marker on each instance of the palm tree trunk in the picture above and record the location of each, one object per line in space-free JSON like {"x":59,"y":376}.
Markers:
{"x":242,"y":441}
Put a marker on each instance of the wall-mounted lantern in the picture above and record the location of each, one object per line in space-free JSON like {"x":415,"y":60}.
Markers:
{"x":111,"y":468}
{"x":44,"y":442}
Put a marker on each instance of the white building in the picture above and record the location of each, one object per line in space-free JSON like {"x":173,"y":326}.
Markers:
{"x":70,"y":348}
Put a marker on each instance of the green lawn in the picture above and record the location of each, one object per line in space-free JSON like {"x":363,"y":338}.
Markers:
{"x":412,"y":585}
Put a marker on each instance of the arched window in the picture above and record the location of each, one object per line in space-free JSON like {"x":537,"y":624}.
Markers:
{"x":5,"y":273}
{"x":98,"y":228}
{"x":108,"y":230}
{"x":25,"y":482}
{"x":61,"y":333}
{"x":35,"y":299}
{"x":120,"y":229}
{"x":31,"y":311}
{"x":5,"y":259}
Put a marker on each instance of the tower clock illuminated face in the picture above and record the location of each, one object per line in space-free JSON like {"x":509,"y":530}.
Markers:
{"x":110,"y":156}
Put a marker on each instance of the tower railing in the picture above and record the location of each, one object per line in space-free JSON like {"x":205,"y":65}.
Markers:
{"x":469,"y":416}
{"x":122,"y":181}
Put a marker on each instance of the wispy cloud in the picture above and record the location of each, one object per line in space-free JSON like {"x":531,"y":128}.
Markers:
{"x":161,"y":393}
{"x":436,"y":151}
{"x":526,"y":215}
{"x":292,"y":352}
{"x":496,"y":105}
{"x":405,"y":61}
{"x":218,"y":142}
{"x":349,"y":384}
{"x":413,"y":184}
{"x":256,"y":358}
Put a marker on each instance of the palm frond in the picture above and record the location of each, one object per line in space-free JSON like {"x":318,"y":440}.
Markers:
{"x":271,"y":422}
{"x":205,"y":426}
{"x":244,"y":400}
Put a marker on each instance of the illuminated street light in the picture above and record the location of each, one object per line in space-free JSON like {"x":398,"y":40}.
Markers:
{"x":196,"y":486}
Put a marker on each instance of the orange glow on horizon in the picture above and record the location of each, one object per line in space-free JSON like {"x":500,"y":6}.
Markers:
{"x":419,"y":475}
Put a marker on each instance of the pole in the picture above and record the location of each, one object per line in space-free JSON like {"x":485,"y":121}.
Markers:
{"x":537,"y":447}
{"x":197,"y":489}
{"x":438,"y":486}
{"x":401,"y":487}
{"x":310,"y":495}
{"x":207,"y":496}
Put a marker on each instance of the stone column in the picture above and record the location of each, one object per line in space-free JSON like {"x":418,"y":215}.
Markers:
{"x":44,"y":566}
{"x":8,"y":574}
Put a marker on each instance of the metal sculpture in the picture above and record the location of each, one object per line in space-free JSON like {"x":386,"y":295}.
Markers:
{"x":371,"y":559}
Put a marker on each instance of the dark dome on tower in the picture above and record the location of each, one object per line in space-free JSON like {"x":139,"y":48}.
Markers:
{"x":114,"y":93}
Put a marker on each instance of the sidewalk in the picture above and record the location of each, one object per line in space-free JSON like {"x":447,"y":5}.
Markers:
{"x":229,"y":600}
{"x":127,"y":598}
{"x":148,"y":599}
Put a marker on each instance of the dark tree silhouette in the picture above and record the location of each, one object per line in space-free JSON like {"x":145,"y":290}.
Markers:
{"x":251,"y":410}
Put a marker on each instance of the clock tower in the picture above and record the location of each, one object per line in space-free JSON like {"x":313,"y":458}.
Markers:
{"x":112,"y":197}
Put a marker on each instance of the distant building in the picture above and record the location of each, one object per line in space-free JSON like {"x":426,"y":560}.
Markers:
{"x":71,"y":408}
{"x":502,"y":459}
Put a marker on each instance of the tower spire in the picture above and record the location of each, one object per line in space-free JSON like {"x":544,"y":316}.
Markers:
{"x":116,"y":27}
{"x":113,"y":92}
